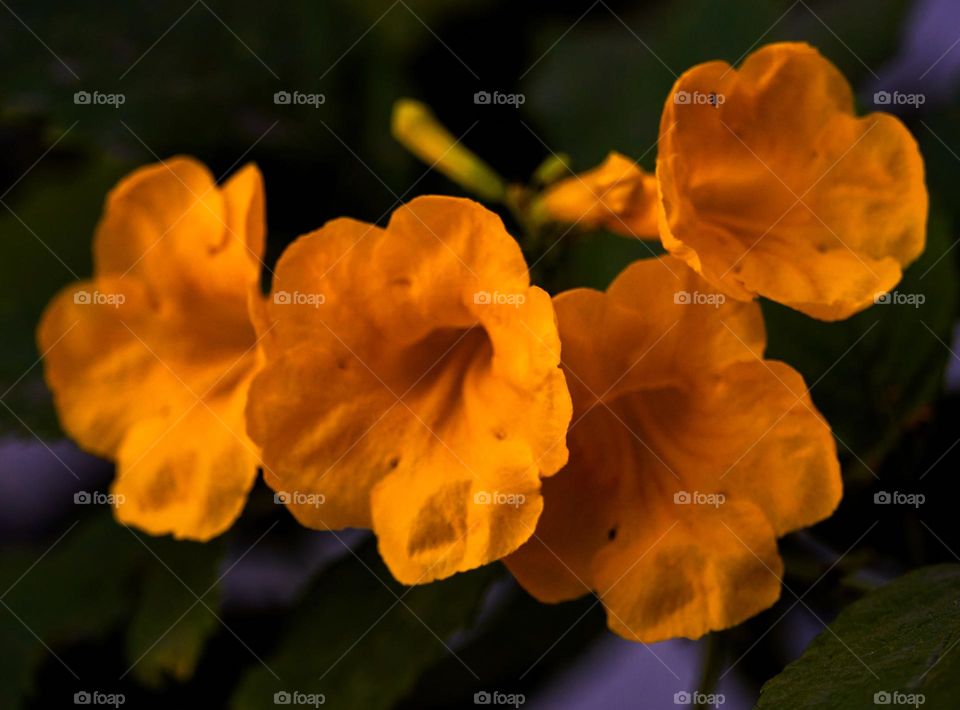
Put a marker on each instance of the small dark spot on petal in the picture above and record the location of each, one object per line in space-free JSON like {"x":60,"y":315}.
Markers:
{"x":342,"y":363}
{"x":500,"y":434}
{"x":393,"y":463}
{"x":612,"y":533}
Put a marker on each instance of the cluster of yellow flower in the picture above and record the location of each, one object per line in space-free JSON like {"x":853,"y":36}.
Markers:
{"x":411,"y":380}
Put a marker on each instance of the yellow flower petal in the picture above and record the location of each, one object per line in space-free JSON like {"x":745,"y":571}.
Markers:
{"x":664,"y":582}
{"x":412,"y":386}
{"x":681,"y":433}
{"x":149,"y":361}
{"x":617,"y":195}
{"x":190,"y":476}
{"x":645,"y":326}
{"x":776,"y":188}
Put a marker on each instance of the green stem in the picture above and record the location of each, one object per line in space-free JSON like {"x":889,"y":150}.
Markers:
{"x":517,"y":200}
{"x":710,"y":672}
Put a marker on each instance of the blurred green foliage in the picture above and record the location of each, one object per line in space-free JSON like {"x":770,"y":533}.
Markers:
{"x":93,"y":579}
{"x":177,"y":610}
{"x":200,"y":79}
{"x":359,"y":611}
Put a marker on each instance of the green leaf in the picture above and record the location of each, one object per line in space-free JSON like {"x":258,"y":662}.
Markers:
{"x":901,"y":638}
{"x":53,"y":596}
{"x":352,"y":641}
{"x":170,"y":625}
{"x":871,"y":373}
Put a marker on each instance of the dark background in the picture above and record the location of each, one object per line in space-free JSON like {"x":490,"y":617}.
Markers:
{"x":85,"y":600}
